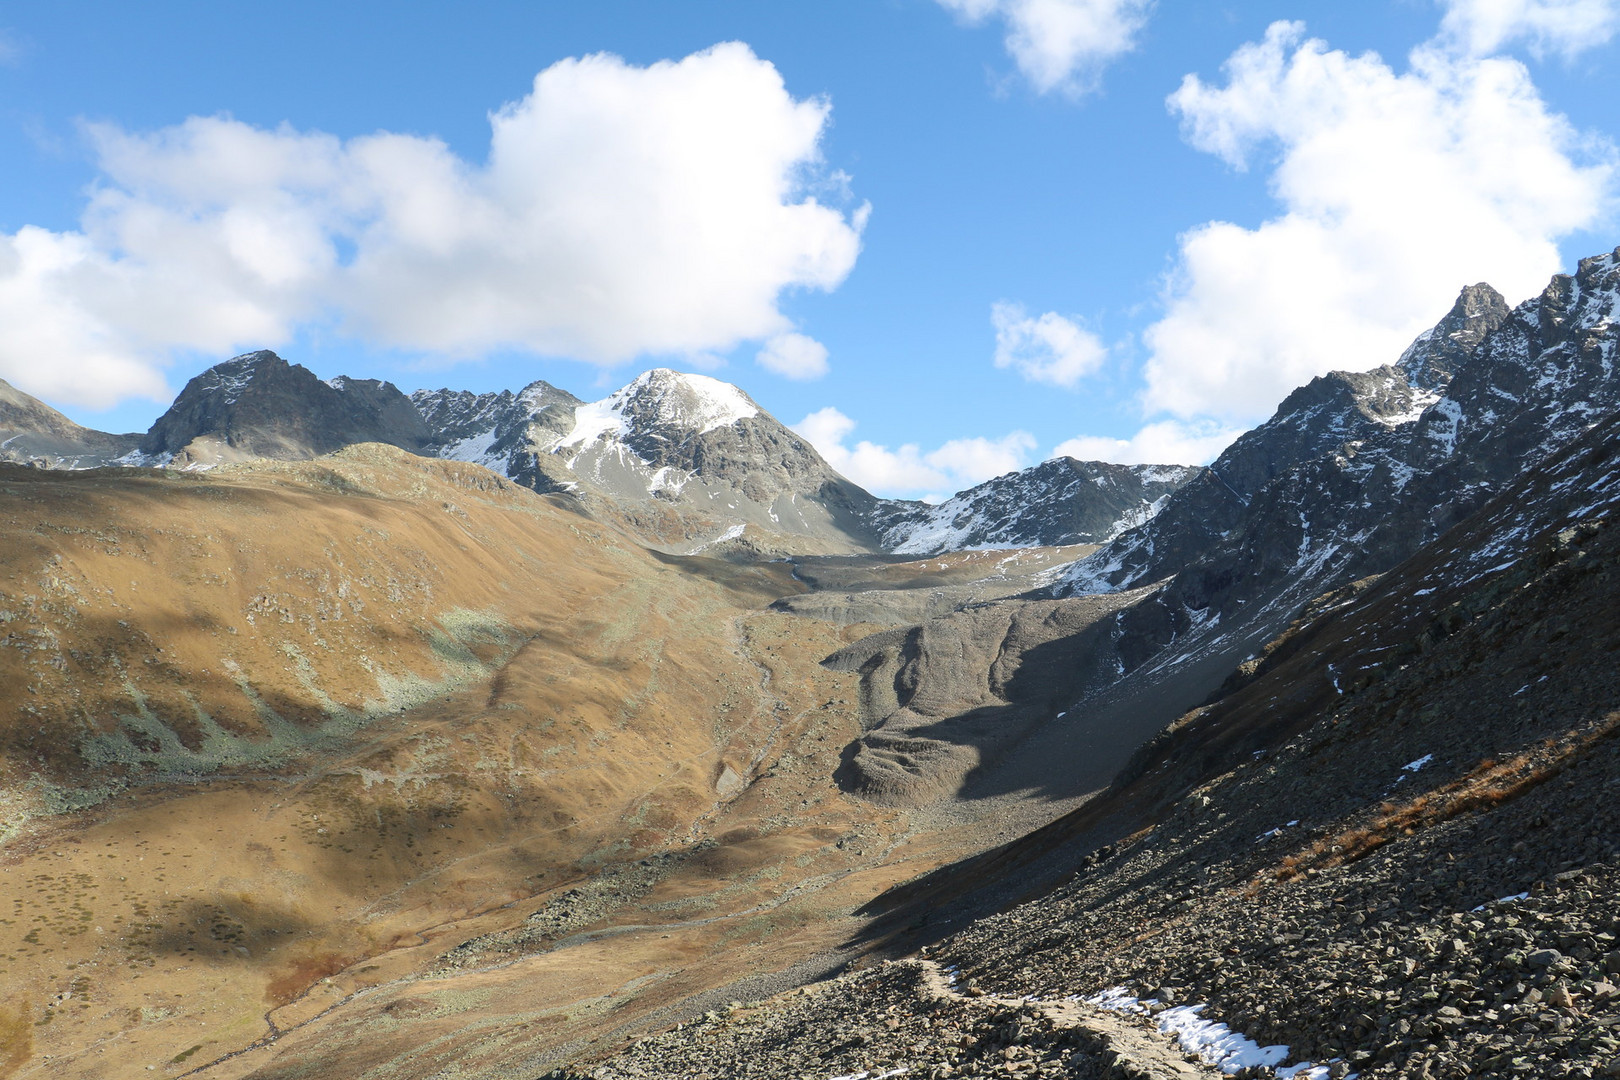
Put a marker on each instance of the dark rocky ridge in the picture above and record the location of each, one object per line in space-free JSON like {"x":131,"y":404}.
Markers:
{"x":1354,"y":473}
{"x":501,"y":430}
{"x":1060,"y":501}
{"x":259,"y":406}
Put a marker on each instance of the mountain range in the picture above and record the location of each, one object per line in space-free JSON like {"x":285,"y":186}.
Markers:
{"x":533,"y":736}
{"x":683,"y":460}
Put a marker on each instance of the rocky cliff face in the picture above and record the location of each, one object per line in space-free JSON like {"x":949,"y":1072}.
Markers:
{"x":686,"y":461}
{"x":259,"y":406}
{"x":1355,"y":472}
{"x":501,"y":431}
{"x":697,"y":442}
{"x":1061,"y":501}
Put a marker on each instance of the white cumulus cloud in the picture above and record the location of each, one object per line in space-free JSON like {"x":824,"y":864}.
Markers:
{"x":1397,"y":189}
{"x":1164,"y":442}
{"x":794,"y":356}
{"x":1062,"y":45}
{"x":1045,"y":349}
{"x":1566,"y":27}
{"x":622,"y":210}
{"x":910,"y":471}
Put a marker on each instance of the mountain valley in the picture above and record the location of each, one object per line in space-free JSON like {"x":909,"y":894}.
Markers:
{"x":354,"y":733}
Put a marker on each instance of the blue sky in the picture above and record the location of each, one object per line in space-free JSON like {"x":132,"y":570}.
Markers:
{"x":943,"y":237}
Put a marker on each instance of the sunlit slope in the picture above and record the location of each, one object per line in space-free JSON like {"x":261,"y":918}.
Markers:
{"x":173,"y":626}
{"x":324,"y":720}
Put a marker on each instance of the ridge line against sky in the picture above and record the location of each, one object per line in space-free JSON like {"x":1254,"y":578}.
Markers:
{"x":1114,"y":229}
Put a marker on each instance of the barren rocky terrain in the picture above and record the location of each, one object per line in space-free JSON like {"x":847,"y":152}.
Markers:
{"x":643,"y":759}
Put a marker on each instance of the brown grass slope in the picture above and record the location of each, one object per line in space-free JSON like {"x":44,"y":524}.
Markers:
{"x":377,"y":762}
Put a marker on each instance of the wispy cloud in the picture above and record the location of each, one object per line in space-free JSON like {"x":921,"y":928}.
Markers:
{"x":1061,"y":45}
{"x":1164,"y":442}
{"x":1046,"y":349}
{"x":1565,"y":27}
{"x":794,"y":356}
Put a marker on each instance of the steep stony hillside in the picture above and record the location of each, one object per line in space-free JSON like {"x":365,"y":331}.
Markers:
{"x":1387,"y":848}
{"x":1061,"y":501}
{"x":259,"y":406}
{"x":33,"y":433}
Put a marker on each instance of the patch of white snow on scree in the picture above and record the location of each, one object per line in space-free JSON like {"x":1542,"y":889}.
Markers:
{"x":1213,"y":1042}
{"x":1514,"y":899}
{"x":730,"y":534}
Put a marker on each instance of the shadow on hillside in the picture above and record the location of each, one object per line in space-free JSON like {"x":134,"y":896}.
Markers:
{"x":1025,"y":747}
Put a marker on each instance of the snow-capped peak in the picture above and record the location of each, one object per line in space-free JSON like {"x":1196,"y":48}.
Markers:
{"x":661,"y":398}
{"x":694,"y":402}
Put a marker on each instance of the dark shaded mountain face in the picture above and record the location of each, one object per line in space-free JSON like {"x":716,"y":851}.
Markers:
{"x":1356,"y":472}
{"x":500,"y":430}
{"x":1061,"y":501}
{"x":259,"y":406}
{"x":33,"y":433}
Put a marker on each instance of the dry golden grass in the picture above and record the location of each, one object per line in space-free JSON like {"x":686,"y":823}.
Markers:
{"x":1487,"y":785}
{"x":454,"y":699}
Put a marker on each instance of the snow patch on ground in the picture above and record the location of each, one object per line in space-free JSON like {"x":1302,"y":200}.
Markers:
{"x":1215,"y":1043}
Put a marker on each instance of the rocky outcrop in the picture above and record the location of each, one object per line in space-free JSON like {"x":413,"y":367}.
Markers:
{"x":259,"y":406}
{"x":1356,"y":472}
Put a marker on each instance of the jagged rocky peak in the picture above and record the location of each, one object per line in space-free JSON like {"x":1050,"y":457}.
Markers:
{"x":676,"y":402}
{"x":457,"y":416}
{"x":1060,"y":501}
{"x":1350,"y":406}
{"x":673,"y":422}
{"x":1431,"y":360}
{"x":258,"y":405}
